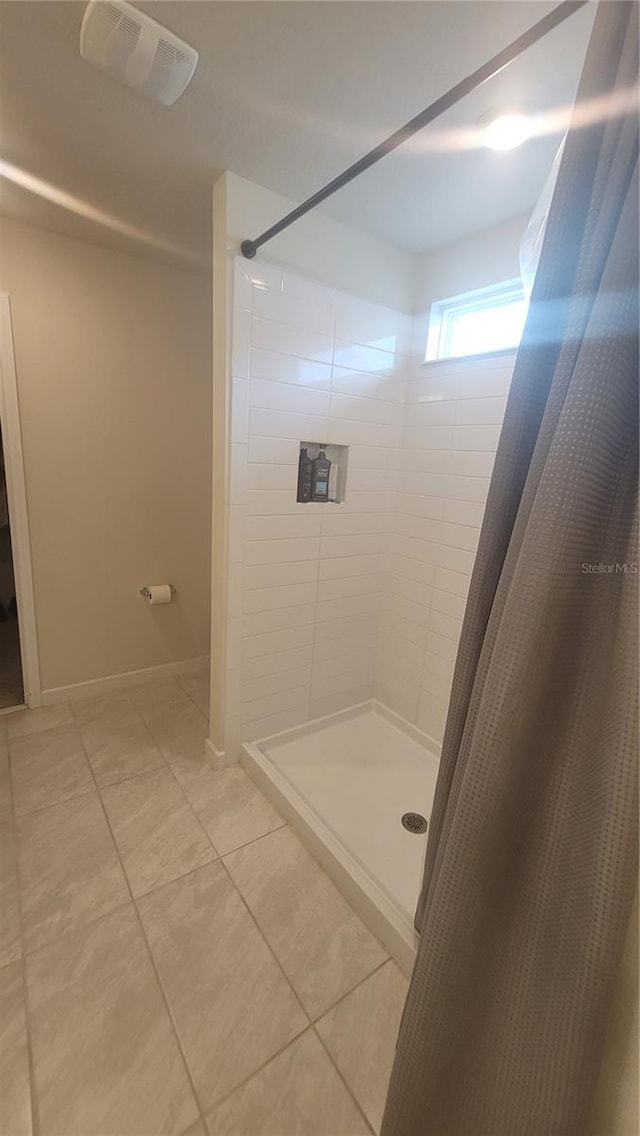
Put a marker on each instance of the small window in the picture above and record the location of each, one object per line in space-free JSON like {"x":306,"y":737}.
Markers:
{"x":491,"y":319}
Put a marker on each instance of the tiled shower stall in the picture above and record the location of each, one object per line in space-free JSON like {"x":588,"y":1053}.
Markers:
{"x":333,"y":604}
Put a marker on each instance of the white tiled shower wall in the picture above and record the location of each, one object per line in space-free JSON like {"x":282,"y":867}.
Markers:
{"x":332,"y":604}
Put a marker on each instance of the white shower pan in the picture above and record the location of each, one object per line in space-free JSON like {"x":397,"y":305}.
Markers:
{"x":344,"y":783}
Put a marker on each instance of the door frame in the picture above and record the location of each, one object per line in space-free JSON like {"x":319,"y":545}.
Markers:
{"x":18,"y":513}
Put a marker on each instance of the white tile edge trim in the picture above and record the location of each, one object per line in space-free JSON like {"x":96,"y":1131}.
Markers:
{"x":218,"y":756}
{"x":109,"y":682}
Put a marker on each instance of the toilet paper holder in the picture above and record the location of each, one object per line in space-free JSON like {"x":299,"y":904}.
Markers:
{"x":145,"y":591}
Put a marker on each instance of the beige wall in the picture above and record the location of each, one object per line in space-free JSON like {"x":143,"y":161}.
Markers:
{"x":475,"y":262}
{"x":113,"y":357}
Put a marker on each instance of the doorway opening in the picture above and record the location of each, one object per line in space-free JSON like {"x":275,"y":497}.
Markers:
{"x":11,"y":684}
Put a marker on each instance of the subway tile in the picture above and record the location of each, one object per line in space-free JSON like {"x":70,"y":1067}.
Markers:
{"x":459,"y":536}
{"x":264,"y":622}
{"x":266,"y":685}
{"x":343,"y":700}
{"x":274,"y":723}
{"x":441,"y":645}
{"x":348,"y":680}
{"x":288,"y":595}
{"x":276,"y":641}
{"x":282,"y":424}
{"x":443,"y":624}
{"x":348,"y":586}
{"x":359,"y":501}
{"x":448,"y":604}
{"x":310,"y":291}
{"x":420,"y":528}
{"x":364,"y":544}
{"x":363,"y":385}
{"x":426,"y":551}
{"x":343,"y":628}
{"x":419,"y":505}
{"x":394,"y":624}
{"x":271,"y":336}
{"x":370,"y":457}
{"x":263,"y":275}
{"x":297,"y":311}
{"x":348,"y":644}
{"x":366,"y":410}
{"x":275,"y":703}
{"x":335,"y":523}
{"x":275,"y":528}
{"x":409,"y":569}
{"x":470,"y":463}
{"x":437,"y":685}
{"x":340,"y":567}
{"x":429,"y":437}
{"x":475,"y":438}
{"x":432,"y":715}
{"x":458,"y":559}
{"x":436,"y":665}
{"x":442,"y":413}
{"x":400,"y":696}
{"x":269,"y":451}
{"x":277,"y":661}
{"x":278,"y":368}
{"x":350,"y":432}
{"x":275,"y":575}
{"x":285,"y":396}
{"x":242,"y":287}
{"x":406,"y":657}
{"x":358,"y":357}
{"x":278,"y":502}
{"x":283,"y":551}
{"x":488,"y":384}
{"x":480,"y":411}
{"x":414,"y":590}
{"x":406,"y":609}
{"x":353,"y":663}
{"x":347,"y":606}
{"x":272,"y":478}
{"x":450,"y":581}
{"x":463,"y":513}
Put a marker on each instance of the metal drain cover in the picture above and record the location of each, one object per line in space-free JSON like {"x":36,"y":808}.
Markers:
{"x":414,"y":822}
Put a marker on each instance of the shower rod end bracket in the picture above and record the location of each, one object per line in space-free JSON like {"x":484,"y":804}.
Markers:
{"x":248,"y":249}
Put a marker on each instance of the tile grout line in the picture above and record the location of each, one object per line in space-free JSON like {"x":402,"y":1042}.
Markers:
{"x":33,"y":1095}
{"x":153,"y":964}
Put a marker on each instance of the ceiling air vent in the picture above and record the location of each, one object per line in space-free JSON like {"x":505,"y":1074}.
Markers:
{"x":137,"y":50}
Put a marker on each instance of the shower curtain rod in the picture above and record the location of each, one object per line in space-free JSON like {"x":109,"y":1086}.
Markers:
{"x":249,"y":248}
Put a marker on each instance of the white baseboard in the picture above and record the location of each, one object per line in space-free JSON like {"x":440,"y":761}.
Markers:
{"x":103,"y":685}
{"x":217,"y":756}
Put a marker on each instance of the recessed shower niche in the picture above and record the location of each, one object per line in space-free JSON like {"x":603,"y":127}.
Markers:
{"x":322,"y":473}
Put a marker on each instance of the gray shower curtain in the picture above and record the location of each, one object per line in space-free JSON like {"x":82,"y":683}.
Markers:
{"x":531,"y":861}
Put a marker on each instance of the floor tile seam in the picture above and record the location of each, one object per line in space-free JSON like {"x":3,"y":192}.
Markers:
{"x":33,"y":1094}
{"x":255,"y":1072}
{"x":344,"y":1081}
{"x":163,"y":995}
{"x":352,"y":990}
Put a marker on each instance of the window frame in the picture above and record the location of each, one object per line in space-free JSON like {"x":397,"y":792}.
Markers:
{"x":443,"y":313}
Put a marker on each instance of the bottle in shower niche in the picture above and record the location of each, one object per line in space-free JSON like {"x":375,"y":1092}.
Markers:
{"x":320,"y":477}
{"x":305,"y":475}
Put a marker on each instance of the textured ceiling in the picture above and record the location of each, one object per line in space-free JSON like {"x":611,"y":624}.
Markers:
{"x":287,"y":95}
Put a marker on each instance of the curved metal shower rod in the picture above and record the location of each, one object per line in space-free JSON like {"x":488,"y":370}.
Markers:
{"x":249,"y":248}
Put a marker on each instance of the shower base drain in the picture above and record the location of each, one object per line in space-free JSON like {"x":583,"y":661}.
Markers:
{"x":414,"y":822}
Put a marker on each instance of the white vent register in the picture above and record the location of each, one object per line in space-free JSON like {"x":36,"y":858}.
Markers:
{"x":137,"y":50}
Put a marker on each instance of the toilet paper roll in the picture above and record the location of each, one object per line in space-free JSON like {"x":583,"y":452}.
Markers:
{"x":159,"y":594}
